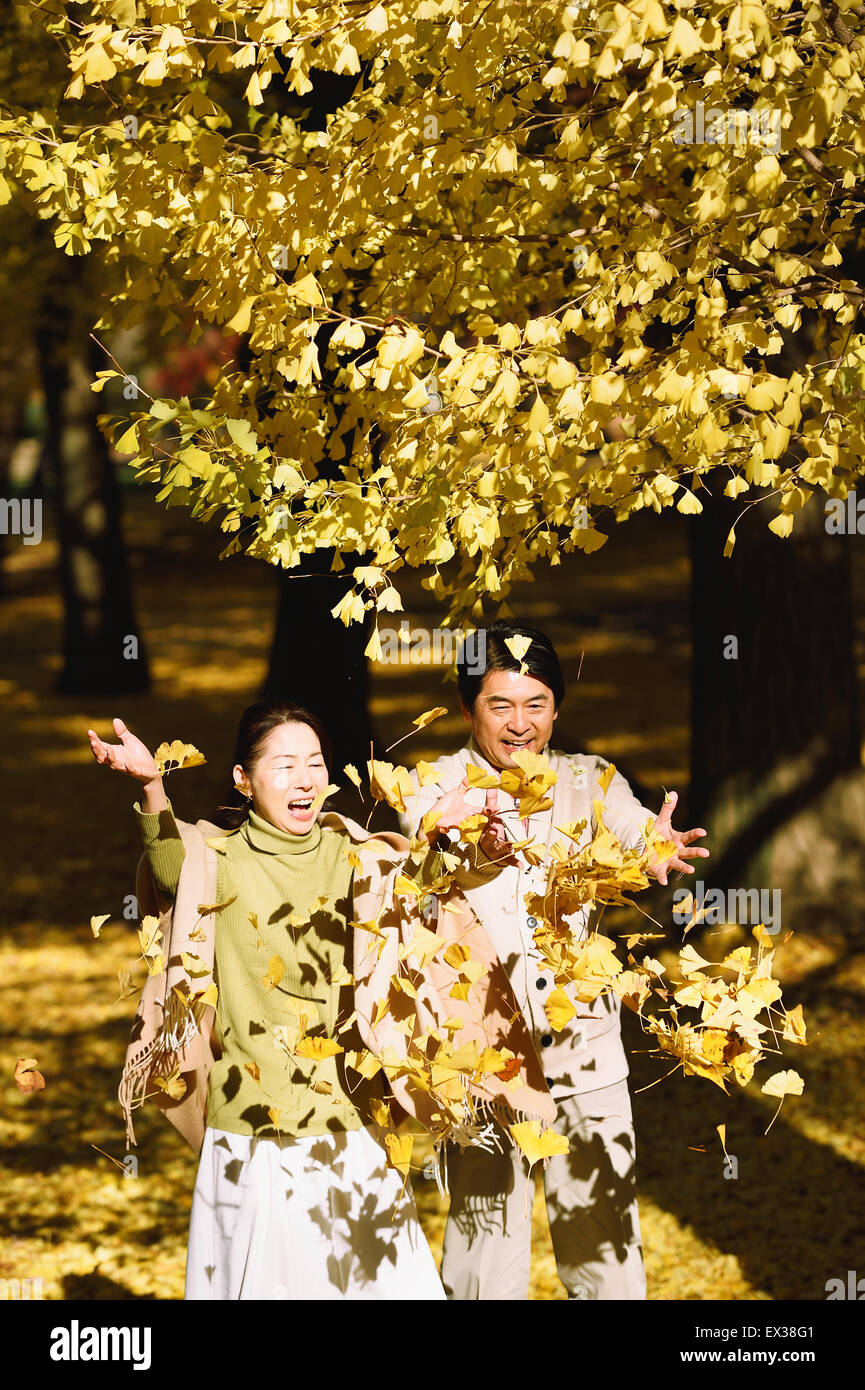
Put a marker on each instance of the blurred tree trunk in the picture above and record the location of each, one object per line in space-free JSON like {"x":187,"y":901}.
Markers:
{"x":316,"y":660}
{"x":102,"y":648}
{"x":775,"y":739}
{"x":11,"y":410}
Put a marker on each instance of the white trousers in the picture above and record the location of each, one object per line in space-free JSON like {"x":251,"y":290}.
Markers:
{"x":318,"y":1217}
{"x":591,"y":1205}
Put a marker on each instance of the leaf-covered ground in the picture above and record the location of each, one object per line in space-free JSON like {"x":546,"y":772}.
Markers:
{"x":792,"y":1218}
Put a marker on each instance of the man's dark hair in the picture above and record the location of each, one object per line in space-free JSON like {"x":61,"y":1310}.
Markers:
{"x":540,"y":661}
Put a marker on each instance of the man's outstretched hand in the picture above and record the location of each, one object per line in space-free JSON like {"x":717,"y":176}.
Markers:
{"x":682,"y":839}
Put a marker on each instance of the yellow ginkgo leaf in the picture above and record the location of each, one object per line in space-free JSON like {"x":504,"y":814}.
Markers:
{"x":380,"y":1112}
{"x":205,"y":909}
{"x":363,"y":1063}
{"x":390,"y":784}
{"x":784,"y":1083}
{"x":275,"y":972}
{"x":353,"y":775}
{"x":518,"y":646}
{"x":423,"y":946}
{"x":476,"y":777}
{"x":206,"y":997}
{"x":171,"y":756}
{"x":606,"y":778}
{"x":173,"y":1085}
{"x":149,"y":935}
{"x":399,"y":1147}
{"x":794,"y":1025}
{"x":558,"y":1009}
{"x":316,"y":1049}
{"x":97,"y":923}
{"x":537,"y":1145}
{"x":193,"y":965}
{"x":125,"y":983}
{"x":27,"y":1077}
{"x":428,"y":716}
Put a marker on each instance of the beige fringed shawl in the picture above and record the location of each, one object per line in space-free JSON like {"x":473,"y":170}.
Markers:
{"x":167,"y":1035}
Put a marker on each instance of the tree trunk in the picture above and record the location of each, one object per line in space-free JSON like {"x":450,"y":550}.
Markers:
{"x":102,"y":648}
{"x":11,"y":410}
{"x":317,"y":662}
{"x":775,"y":750}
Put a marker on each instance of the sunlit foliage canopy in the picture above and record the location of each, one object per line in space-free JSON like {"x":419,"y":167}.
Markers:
{"x":526,"y":223}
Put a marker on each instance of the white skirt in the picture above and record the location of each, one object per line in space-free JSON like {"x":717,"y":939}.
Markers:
{"x":318,"y":1217}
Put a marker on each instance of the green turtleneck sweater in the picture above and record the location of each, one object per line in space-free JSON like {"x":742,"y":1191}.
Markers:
{"x":265,"y":878}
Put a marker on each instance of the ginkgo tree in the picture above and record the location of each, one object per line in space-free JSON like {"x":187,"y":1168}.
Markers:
{"x":530,"y":222}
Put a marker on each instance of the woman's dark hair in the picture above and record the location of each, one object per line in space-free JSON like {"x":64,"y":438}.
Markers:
{"x":540,"y":661}
{"x":256,"y":722}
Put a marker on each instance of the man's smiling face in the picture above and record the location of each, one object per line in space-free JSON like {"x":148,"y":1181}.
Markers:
{"x":511,"y":712}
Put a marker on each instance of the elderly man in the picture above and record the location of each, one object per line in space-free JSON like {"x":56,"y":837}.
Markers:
{"x":512,"y":704}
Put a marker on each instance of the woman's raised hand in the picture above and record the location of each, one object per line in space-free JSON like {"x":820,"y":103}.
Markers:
{"x":129,"y":755}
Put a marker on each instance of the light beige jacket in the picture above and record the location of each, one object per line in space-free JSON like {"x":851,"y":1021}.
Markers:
{"x":165,"y":1036}
{"x":588,"y":1053}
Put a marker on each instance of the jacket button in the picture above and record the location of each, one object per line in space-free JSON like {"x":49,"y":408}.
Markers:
{"x":549,"y":1080}
{"x":547,"y":1040}
{"x":531,"y":922}
{"x":541,"y":983}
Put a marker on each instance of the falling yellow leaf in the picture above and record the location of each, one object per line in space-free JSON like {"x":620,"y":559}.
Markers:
{"x":173,"y":1085}
{"x":380,"y":1112}
{"x":205,"y":909}
{"x":794,"y":1025}
{"x":253,"y":1069}
{"x":149,"y":935}
{"x":171,"y":756}
{"x":126,"y":983}
{"x":193,"y":965}
{"x":784,"y":1083}
{"x":558,"y":1009}
{"x":423,"y":947}
{"x":518,"y":646}
{"x":97,"y":923}
{"x":275,"y":972}
{"x":363,"y":1063}
{"x":207,"y":996}
{"x":353,"y":775}
{"x":476,"y":777}
{"x":536,"y":1145}
{"x":317,"y":1048}
{"x":428,"y":717}
{"x":27,"y":1078}
{"x":606,"y":778}
{"x":390,"y":784}
{"x":399,"y":1147}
